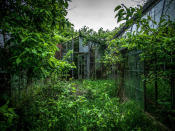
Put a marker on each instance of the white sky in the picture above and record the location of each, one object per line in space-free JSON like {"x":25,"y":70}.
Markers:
{"x":95,"y":13}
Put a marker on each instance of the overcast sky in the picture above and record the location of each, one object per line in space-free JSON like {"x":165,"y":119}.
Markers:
{"x":95,"y":13}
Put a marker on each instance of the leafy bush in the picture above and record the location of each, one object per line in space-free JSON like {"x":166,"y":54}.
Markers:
{"x":7,"y":117}
{"x":86,"y":105}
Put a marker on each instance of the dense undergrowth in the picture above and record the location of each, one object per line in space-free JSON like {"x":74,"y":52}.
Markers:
{"x":79,"y":105}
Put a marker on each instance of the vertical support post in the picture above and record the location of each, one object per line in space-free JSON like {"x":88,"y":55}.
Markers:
{"x":84,"y":67}
{"x":66,"y":47}
{"x":4,"y":39}
{"x":101,"y":65}
{"x":144,"y":86}
{"x":172,"y":93}
{"x":172,"y":82}
{"x":78,"y":67}
{"x":81,"y":62}
{"x":163,"y":8}
{"x":72,"y":55}
{"x":156,"y":90}
{"x":113,"y":71}
{"x":88,"y":65}
{"x":120,"y":93}
{"x":95,"y":65}
{"x":155,"y":84}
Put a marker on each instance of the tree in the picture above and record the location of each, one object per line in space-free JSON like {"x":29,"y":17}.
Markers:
{"x":33,"y":27}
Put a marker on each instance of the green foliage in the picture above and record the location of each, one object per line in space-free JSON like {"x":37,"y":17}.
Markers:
{"x":87,"y":105}
{"x":31,"y":45}
{"x":66,"y":106}
{"x":40,"y":15}
{"x":155,"y":44}
{"x":62,"y":105}
{"x":98,"y":38}
{"x":7,"y":116}
{"x":136,"y":119}
{"x":127,"y":15}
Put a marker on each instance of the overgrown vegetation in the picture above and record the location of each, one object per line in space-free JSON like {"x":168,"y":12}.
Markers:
{"x":86,"y":105}
{"x":155,"y":42}
{"x":30,"y":48}
{"x":45,"y":98}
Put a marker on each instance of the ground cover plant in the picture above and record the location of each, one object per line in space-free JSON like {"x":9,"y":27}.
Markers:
{"x":78,"y":105}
